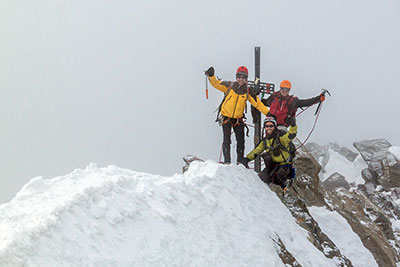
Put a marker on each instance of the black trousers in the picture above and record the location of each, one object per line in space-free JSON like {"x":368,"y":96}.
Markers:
{"x":273,"y":173}
{"x":238,"y":128}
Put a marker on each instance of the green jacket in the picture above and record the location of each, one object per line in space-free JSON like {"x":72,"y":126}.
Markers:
{"x":268,"y":145}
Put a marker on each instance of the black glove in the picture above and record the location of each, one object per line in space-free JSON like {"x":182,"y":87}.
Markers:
{"x":245,"y":162}
{"x":210,"y":72}
{"x":291,"y":121}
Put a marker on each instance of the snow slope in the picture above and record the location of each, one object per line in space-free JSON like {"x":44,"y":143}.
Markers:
{"x":348,"y":242}
{"x":395,"y":150}
{"x":350,"y":170}
{"x":212,"y":215}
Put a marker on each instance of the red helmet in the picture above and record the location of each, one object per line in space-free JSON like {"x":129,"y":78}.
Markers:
{"x":243,"y":71}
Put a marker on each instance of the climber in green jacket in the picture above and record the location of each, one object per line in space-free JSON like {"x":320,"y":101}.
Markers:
{"x":278,"y":157}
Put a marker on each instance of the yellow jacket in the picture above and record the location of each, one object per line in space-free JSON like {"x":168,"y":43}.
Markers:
{"x":235,"y":102}
{"x":268,"y":145}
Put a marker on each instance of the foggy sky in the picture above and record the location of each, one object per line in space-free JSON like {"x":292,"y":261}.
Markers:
{"x":121,"y":82}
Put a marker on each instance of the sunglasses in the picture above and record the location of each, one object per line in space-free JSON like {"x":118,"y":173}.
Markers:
{"x":285,"y":89}
{"x":241,"y":77}
{"x":269,"y":126}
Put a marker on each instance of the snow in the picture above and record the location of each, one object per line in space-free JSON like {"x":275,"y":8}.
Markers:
{"x":340,"y":232}
{"x":395,"y":150}
{"x":212,"y":215}
{"x":350,"y":170}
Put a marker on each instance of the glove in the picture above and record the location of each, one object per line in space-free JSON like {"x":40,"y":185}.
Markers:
{"x":245,"y":162}
{"x":291,"y":121}
{"x":210,"y":72}
{"x":322,"y":97}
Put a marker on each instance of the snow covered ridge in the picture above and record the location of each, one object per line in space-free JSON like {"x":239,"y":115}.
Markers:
{"x":212,"y":215}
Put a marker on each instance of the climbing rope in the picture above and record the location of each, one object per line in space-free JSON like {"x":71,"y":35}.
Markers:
{"x":312,"y":130}
{"x":302,"y":143}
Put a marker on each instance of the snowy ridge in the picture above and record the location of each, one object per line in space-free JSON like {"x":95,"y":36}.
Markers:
{"x":211,"y":215}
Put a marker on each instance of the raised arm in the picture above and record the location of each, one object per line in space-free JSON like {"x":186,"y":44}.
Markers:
{"x":256,"y":102}
{"x":290,"y":135}
{"x":301,"y":103}
{"x":217,"y":84}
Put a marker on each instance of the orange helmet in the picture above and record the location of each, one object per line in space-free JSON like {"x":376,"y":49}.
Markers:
{"x":286,"y":84}
{"x":243,"y":71}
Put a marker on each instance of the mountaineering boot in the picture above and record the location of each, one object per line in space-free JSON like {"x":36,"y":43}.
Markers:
{"x":282,"y":175}
{"x":239,"y":153}
{"x":227,"y":154}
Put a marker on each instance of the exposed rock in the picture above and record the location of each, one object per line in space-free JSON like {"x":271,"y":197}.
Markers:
{"x":381,"y":162}
{"x":369,"y":222}
{"x":306,"y":191}
{"x":344,"y":151}
{"x":320,"y":153}
{"x":307,"y":181}
{"x":303,"y":217}
{"x":286,"y":257}
{"x":368,"y":176}
{"x":370,"y":219}
{"x":335,"y":181}
{"x":388,"y":203}
{"x":189,"y":159}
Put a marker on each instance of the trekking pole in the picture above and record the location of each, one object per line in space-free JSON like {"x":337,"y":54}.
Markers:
{"x":206,"y":88}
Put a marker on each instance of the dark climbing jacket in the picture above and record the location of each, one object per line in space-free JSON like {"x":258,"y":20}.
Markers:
{"x":283,"y":106}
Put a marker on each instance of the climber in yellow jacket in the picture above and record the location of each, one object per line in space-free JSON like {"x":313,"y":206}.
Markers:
{"x":232,"y":109}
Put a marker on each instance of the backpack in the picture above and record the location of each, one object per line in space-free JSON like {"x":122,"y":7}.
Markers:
{"x":276,"y":144}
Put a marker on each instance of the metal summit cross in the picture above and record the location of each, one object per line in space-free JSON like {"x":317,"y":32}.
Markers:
{"x":258,"y":88}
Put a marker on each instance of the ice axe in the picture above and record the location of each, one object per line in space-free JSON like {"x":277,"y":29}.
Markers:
{"x":324,"y":91}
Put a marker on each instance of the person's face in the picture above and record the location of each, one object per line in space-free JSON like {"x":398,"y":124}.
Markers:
{"x":284,"y":91}
{"x":269,"y":128}
{"x":241,"y":79}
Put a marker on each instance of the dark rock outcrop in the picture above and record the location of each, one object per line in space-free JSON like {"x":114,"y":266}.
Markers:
{"x":368,"y":222}
{"x":335,"y":181}
{"x":287,"y":258}
{"x":344,"y":151}
{"x":368,"y":211}
{"x":383,"y":166}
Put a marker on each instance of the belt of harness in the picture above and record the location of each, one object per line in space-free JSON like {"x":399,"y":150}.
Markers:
{"x":291,"y":175}
{"x":235,"y":122}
